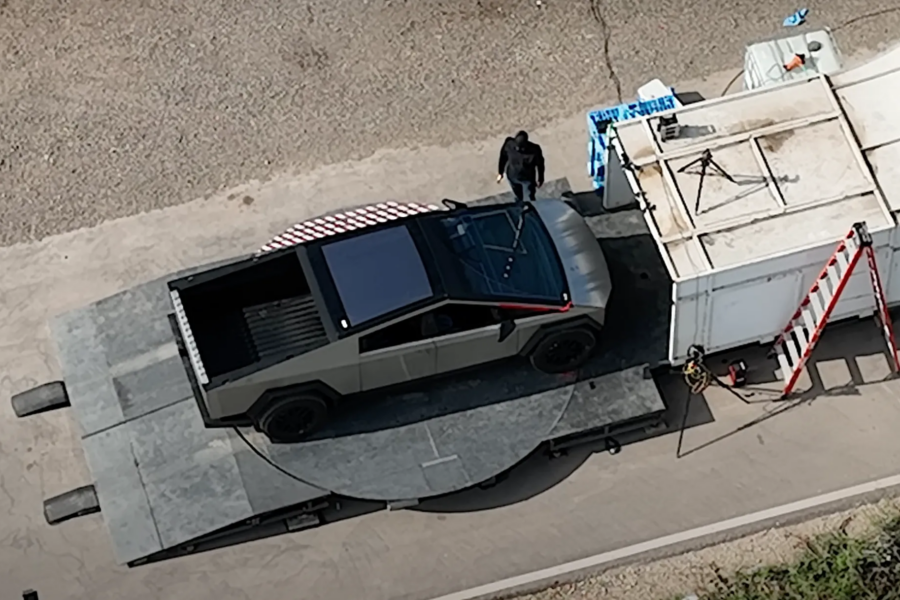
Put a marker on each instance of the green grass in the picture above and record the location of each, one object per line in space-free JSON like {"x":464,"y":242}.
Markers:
{"x":834,"y":566}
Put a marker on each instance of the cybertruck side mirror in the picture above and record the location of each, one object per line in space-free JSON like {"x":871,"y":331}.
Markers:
{"x":506,"y":329}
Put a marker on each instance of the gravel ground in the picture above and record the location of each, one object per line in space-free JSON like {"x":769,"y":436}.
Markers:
{"x":692,"y":572}
{"x":113,"y":108}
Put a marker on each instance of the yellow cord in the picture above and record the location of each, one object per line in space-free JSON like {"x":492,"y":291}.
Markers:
{"x":696,"y":377}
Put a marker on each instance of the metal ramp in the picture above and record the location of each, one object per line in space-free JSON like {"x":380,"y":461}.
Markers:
{"x":167,"y":485}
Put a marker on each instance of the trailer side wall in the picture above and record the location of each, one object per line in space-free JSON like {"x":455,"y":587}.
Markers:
{"x":751,"y":303}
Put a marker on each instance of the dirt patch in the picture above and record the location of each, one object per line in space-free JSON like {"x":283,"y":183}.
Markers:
{"x":651,"y":171}
{"x":302,"y":54}
{"x":774,"y":142}
{"x":750,"y":125}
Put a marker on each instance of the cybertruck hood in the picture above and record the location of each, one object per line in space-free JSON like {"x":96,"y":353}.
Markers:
{"x":583,"y":260}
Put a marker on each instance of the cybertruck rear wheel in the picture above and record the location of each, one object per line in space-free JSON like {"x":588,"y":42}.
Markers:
{"x":294,"y":417}
{"x":563,"y":350}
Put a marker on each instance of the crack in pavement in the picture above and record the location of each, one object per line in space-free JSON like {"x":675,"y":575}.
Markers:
{"x":597,"y":13}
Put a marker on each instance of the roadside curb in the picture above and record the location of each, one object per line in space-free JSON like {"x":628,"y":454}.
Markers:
{"x":687,"y":541}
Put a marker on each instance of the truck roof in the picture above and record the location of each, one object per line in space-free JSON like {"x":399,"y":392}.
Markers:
{"x":800,"y":155}
{"x":405,"y":256}
{"x":376,"y":273}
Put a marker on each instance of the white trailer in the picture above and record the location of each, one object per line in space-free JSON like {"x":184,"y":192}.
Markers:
{"x":806,"y":160}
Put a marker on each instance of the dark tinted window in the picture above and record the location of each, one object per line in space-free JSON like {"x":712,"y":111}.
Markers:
{"x":481,"y":259}
{"x":443,"y":320}
{"x":377,"y":273}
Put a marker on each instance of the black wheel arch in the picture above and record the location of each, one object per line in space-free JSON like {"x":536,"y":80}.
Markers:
{"x":266,"y":399}
{"x":580,"y":322}
{"x":275,"y":395}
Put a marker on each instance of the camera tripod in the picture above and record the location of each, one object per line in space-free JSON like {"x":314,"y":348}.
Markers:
{"x":705,"y":161}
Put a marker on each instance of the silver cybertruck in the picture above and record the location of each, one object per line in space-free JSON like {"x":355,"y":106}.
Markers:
{"x":276,"y":340}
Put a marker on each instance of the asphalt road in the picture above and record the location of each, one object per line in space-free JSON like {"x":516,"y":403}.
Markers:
{"x":110,"y":109}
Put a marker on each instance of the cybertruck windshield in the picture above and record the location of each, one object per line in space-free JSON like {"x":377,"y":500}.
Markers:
{"x":497,"y":254}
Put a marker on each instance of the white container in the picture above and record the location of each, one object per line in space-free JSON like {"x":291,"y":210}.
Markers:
{"x":655,"y":89}
{"x":764,"y":61}
{"x":799,"y":155}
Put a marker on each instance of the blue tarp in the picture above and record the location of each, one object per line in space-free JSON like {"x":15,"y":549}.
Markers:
{"x":598,"y":122}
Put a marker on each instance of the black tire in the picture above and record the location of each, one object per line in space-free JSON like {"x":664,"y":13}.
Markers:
{"x":293,"y":418}
{"x":564,"y":350}
{"x":43,"y":398}
{"x":72,"y":504}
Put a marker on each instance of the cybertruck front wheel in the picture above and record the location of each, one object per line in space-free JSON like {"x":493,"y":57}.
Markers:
{"x":564,"y":350}
{"x":294,"y":417}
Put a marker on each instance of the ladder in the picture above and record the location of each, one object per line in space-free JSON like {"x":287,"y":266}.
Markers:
{"x":798,"y":339}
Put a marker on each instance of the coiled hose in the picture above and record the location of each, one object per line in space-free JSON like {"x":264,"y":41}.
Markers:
{"x":696,"y":376}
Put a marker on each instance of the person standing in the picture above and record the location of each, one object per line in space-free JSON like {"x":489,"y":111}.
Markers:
{"x":522,"y":162}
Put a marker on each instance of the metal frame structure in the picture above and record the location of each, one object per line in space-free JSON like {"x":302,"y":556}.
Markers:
{"x":769,"y":250}
{"x":663,"y":158}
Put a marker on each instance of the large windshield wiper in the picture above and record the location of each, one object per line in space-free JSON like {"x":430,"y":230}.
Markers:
{"x":520,"y":226}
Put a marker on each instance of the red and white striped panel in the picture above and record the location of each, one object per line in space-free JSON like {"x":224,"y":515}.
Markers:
{"x":358,"y":218}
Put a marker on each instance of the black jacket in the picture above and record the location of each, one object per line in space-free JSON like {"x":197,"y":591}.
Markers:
{"x":521,"y":164}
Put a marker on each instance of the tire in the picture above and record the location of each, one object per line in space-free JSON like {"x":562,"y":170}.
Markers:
{"x":563,"y":350}
{"x":293,"y":418}
{"x":72,"y":504}
{"x":43,"y":398}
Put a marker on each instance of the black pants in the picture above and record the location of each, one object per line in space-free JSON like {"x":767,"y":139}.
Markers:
{"x":519,"y":188}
